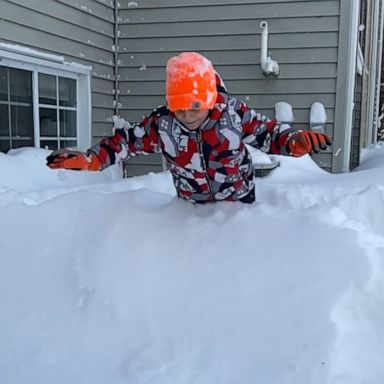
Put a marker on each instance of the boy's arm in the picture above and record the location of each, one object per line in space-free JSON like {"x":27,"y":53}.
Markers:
{"x":276,"y":138}
{"x":125,"y":142}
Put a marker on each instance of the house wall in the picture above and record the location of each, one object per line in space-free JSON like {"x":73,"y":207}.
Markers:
{"x":303,"y":38}
{"x":80,"y":30}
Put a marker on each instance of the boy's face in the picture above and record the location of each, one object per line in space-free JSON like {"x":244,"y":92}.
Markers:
{"x":192,"y":118}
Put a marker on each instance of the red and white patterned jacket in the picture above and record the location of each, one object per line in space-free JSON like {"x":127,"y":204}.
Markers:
{"x":211,"y":163}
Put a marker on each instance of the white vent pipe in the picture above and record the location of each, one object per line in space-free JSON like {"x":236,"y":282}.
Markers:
{"x":269,"y":66}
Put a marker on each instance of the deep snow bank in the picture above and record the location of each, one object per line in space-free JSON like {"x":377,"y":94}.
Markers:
{"x":106,"y":280}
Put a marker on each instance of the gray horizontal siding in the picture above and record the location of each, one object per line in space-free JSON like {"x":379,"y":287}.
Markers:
{"x":43,"y":40}
{"x":226,"y":27}
{"x":145,"y":4}
{"x":249,"y":56}
{"x":96,"y":8}
{"x":59,"y":10}
{"x":101,"y":85}
{"x":102,"y":115}
{"x":303,"y":38}
{"x":133,"y":168}
{"x":80,"y":30}
{"x":324,"y":160}
{"x":224,"y":42}
{"x":183,"y":11}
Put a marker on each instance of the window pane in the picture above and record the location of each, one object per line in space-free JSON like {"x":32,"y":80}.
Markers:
{"x":3,"y":83}
{"x":68,"y":124}
{"x":47,"y":89}
{"x":20,"y":83}
{"x":4,"y":145}
{"x":21,"y":121}
{"x":48,"y":122}
{"x":22,"y":143}
{"x":67,"y":92}
{"x":4,"y":120}
{"x":68,"y":143}
{"x":48,"y":144}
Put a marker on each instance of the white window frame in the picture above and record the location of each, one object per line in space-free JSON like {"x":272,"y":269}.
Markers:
{"x":15,"y":56}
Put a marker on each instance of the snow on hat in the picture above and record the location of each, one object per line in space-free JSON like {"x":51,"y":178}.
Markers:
{"x":190,"y":82}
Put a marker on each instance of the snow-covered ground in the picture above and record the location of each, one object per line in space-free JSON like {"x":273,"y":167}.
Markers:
{"x":109,"y":280}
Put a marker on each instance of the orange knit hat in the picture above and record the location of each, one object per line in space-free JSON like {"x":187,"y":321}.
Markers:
{"x":191,"y":82}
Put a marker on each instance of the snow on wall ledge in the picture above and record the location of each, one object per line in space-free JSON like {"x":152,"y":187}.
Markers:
{"x":110,"y":280}
{"x":26,"y":54}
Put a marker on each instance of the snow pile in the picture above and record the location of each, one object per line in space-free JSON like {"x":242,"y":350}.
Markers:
{"x":317,"y":117}
{"x":110,"y":280}
{"x":317,"y":113}
{"x":284,"y":114}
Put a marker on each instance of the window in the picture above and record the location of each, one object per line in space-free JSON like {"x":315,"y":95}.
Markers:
{"x":43,"y":103}
{"x":16,"y":109}
{"x":57,"y":111}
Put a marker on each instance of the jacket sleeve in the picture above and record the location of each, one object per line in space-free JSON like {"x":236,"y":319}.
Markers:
{"x":129,"y":141}
{"x":263,"y":133}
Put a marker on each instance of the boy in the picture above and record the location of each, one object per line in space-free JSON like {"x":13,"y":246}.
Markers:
{"x":202,"y":134}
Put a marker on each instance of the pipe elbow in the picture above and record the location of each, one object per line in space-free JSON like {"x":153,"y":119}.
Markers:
{"x":264,"y":25}
{"x":270,"y":67}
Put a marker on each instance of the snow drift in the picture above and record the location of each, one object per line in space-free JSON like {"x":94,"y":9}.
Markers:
{"x":111,"y":280}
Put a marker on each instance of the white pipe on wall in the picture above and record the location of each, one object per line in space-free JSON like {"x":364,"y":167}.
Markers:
{"x":269,"y":66}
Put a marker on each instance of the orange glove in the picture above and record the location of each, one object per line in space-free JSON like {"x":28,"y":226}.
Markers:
{"x":76,"y":160}
{"x":303,"y":142}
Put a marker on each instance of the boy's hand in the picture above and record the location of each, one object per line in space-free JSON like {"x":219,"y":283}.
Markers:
{"x":303,"y":142}
{"x":76,"y":160}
